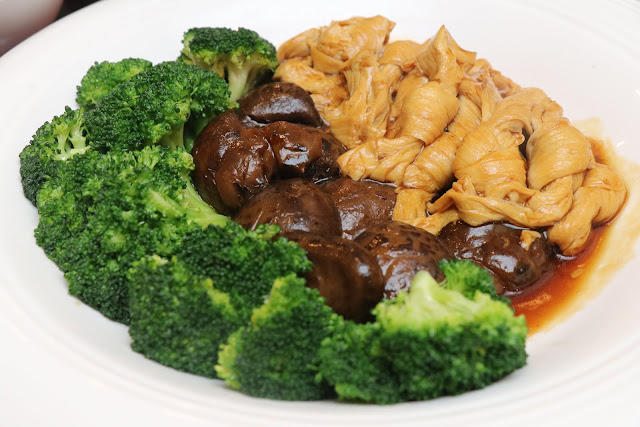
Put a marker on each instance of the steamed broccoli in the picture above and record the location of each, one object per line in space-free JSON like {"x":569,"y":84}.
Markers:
{"x":54,"y":142}
{"x":103,"y":77}
{"x":467,"y":278}
{"x":354,"y":362}
{"x":167,"y":104}
{"x":102,"y":212}
{"x":276,"y":355}
{"x":428,"y":342}
{"x":240,"y":56}
{"x":242,"y":263}
{"x":178,"y":318}
{"x":183,"y":308}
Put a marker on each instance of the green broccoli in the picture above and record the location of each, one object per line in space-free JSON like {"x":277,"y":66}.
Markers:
{"x":242,"y":263}
{"x":353,"y":361}
{"x":103,"y":77}
{"x":102,"y":212}
{"x":167,"y":104}
{"x":466,"y":277}
{"x":178,"y":318}
{"x":240,"y":56}
{"x":54,"y":142}
{"x":184,"y":307}
{"x":276,"y":355}
{"x":428,"y":342}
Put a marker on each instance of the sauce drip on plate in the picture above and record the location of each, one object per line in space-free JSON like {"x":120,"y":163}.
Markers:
{"x":555,"y":293}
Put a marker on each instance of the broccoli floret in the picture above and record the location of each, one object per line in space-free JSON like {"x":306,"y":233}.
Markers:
{"x":470,"y":342}
{"x":208,"y":289}
{"x":54,"y":142}
{"x":240,"y":56}
{"x":104,"y":77}
{"x":276,"y":355}
{"x":178,"y":318}
{"x":428,"y":342}
{"x":102,"y":212}
{"x":466,"y":277}
{"x":242,"y":263}
{"x":352,"y":361}
{"x":167,"y":104}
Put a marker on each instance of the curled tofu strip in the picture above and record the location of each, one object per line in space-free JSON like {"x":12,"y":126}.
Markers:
{"x":298,"y":46}
{"x":563,"y":187}
{"x":444,"y":61}
{"x":407,"y":84}
{"x":342,"y":40}
{"x":326,"y":91}
{"x":427,"y":109}
{"x":431,"y":116}
{"x":597,"y":201}
{"x":363,"y":116}
{"x":331,"y":47}
{"x":349,"y":78}
{"x":491,"y":172}
{"x":432,"y":168}
{"x":371,"y":81}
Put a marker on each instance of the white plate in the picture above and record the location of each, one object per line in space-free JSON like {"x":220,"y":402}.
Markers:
{"x":61,"y":363}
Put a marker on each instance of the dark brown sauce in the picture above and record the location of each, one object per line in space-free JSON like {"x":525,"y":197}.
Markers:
{"x":558,"y":290}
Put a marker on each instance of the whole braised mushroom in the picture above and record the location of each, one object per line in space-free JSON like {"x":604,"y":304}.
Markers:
{"x":278,"y":101}
{"x":232,"y":163}
{"x":294,"y":205}
{"x":498,"y":248}
{"x":304,"y":151}
{"x":345,"y":274}
{"x":402,"y":250}
{"x":361,"y":204}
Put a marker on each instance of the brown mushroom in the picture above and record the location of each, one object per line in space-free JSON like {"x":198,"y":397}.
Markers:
{"x":361,"y":204}
{"x":294,"y":205}
{"x":278,"y":101}
{"x":498,"y":248}
{"x":232,"y":163}
{"x":345,"y":274}
{"x":402,"y":250}
{"x":304,"y":151}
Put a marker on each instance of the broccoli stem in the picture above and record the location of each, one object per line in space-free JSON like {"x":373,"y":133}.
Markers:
{"x":71,"y":141}
{"x":174,"y":139}
{"x":237,"y":77}
{"x":191,"y":205}
{"x":199,"y":211}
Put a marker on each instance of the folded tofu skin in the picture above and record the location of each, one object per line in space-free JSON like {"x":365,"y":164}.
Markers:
{"x":460,"y":140}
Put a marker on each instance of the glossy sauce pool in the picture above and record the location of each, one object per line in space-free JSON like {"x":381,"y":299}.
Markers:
{"x":574,"y":283}
{"x":555,"y":293}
